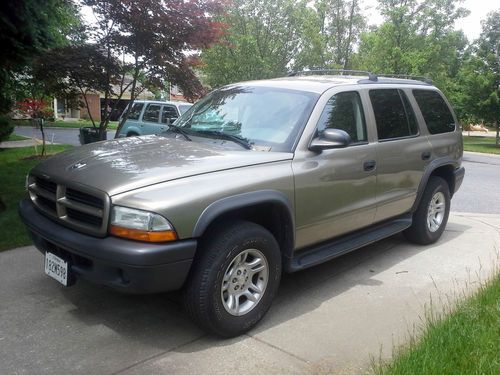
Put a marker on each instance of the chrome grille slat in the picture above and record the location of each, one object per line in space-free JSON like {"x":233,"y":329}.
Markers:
{"x":76,"y":206}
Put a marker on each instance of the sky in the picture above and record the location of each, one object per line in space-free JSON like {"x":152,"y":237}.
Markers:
{"x":470,"y":25}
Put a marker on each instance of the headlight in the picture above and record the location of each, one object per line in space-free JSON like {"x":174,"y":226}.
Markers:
{"x":140,"y":225}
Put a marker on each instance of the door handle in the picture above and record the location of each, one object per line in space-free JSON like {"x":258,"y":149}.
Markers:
{"x":369,"y":165}
{"x":426,"y":155}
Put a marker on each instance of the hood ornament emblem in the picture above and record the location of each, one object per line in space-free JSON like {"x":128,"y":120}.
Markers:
{"x":77,"y":166}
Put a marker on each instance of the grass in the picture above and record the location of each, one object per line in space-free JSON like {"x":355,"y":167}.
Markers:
{"x":481,"y":144}
{"x":465,"y":341}
{"x":67,"y":124}
{"x":15,"y":137}
{"x":13,"y":170}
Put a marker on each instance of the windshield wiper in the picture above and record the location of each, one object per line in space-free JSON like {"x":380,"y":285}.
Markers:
{"x":243,"y":142}
{"x":179,"y":130}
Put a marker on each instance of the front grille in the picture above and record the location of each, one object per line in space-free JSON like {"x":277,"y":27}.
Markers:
{"x":83,"y":217}
{"x":84,"y":198}
{"x":79,"y":207}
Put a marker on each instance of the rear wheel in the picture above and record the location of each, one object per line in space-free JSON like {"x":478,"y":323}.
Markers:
{"x":234,"y":279}
{"x":429,"y":221}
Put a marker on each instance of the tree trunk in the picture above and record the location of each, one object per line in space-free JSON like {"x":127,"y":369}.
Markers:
{"x":40,"y":122}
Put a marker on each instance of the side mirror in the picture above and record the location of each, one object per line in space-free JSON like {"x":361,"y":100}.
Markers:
{"x":330,"y":138}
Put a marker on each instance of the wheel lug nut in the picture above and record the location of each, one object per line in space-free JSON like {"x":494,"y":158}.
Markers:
{"x":236,"y":287}
{"x":239,"y":272}
{"x":235,"y":280}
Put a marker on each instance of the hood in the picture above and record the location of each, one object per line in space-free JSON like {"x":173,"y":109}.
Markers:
{"x":125,"y":164}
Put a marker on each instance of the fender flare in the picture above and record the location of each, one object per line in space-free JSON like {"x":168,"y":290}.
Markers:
{"x":243,"y":200}
{"x":435,"y":164}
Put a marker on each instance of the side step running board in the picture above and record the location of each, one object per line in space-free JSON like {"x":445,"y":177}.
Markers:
{"x":326,"y":251}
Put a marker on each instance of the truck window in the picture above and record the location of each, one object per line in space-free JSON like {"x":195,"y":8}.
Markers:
{"x":344,"y":111}
{"x":393,"y":114}
{"x":437,"y":115}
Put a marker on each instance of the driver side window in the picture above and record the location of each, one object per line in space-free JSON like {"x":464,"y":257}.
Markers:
{"x":344,"y":111}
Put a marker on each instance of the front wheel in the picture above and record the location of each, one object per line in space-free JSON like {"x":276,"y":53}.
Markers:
{"x":429,"y":221}
{"x":234,"y":279}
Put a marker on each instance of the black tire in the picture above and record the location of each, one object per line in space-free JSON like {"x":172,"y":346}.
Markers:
{"x":203,"y":298}
{"x":132,"y":134}
{"x":419,"y":232}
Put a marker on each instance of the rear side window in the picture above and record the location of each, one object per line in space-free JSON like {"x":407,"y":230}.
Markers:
{"x":393,"y":114}
{"x":436,"y":113}
{"x":152,"y":113}
{"x":344,"y":111}
{"x":136,"y":111}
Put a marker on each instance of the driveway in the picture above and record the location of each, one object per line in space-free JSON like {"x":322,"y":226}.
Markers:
{"x":329,"y":319}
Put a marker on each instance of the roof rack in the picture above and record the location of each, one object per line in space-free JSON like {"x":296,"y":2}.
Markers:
{"x":407,"y":76}
{"x":371,"y":76}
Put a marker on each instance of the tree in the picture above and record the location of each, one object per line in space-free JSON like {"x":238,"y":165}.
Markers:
{"x":261,"y":40}
{"x":156,"y":38}
{"x":331,"y":31}
{"x":417,"y":38}
{"x":27,"y":28}
{"x":480,"y":76}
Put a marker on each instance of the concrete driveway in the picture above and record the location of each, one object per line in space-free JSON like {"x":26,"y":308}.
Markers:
{"x":329,"y":319}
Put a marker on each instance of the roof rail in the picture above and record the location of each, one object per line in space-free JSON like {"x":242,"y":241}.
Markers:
{"x":408,"y":76}
{"x":342,"y":72}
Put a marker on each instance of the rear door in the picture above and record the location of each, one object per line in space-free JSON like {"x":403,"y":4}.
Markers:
{"x":402,"y":151}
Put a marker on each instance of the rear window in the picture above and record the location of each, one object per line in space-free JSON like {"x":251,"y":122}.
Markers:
{"x":393,"y":114}
{"x":437,"y":115}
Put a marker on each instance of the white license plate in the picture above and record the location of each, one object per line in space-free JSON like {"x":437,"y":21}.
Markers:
{"x":56,"y":268}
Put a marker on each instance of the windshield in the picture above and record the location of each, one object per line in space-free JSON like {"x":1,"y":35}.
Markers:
{"x":267,"y":117}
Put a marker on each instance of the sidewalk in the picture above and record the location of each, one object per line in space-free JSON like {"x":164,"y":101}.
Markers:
{"x":25,"y":143}
{"x":326,"y":320}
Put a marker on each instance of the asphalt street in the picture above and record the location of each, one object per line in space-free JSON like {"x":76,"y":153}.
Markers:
{"x":66,"y":136}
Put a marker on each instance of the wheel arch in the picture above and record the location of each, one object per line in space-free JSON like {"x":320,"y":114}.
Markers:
{"x":443,"y":168}
{"x":268,"y":208}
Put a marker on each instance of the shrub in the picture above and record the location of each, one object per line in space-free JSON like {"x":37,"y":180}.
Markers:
{"x":6,"y":127}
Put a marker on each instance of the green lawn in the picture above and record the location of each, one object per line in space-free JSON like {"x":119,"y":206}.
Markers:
{"x":67,"y":124}
{"x":15,"y":137}
{"x":467,"y":341}
{"x":13,"y":170}
{"x":481,"y":144}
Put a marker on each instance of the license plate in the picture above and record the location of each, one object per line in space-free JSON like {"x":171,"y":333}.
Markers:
{"x":56,"y":268}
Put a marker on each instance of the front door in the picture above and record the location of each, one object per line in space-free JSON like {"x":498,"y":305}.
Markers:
{"x":335,"y":189}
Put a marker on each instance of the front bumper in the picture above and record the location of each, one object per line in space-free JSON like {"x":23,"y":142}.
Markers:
{"x":125,"y":265}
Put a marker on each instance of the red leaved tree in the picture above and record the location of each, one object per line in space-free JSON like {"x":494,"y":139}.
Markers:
{"x":158,"y":40}
{"x":39,"y":111}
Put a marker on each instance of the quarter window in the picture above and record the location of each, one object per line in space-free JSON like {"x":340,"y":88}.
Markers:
{"x":152,"y":113}
{"x":344,"y":111}
{"x":393,"y":114}
{"x":436,"y":113}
